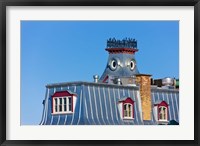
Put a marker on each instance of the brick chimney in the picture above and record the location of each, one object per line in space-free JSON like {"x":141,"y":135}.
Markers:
{"x":144,"y":80}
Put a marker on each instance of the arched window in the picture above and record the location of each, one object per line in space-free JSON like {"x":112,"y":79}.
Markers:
{"x":126,"y":108}
{"x":162,"y":113}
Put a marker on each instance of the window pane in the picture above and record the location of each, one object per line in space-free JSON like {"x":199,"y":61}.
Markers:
{"x":124,"y":106}
{"x":60,"y":100}
{"x":162,"y":113}
{"x":70,"y":107}
{"x":65,"y":104}
{"x":65,"y":108}
{"x":60,"y":108}
{"x":65,"y":100}
{"x":55,"y":104}
{"x":130,"y":110}
{"x":56,"y":109}
{"x":160,"y":116}
{"x":70,"y":100}
{"x":125,"y":113}
{"x":70,"y":104}
{"x":60,"y":104}
{"x":159,"y":109}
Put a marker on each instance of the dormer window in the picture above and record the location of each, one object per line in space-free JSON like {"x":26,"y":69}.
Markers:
{"x":63,"y":102}
{"x":161,"y":112}
{"x":126,"y":108}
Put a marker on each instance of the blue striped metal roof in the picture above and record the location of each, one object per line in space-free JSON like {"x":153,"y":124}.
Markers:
{"x":96,"y":104}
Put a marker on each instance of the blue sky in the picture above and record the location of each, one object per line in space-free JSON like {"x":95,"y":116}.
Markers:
{"x":64,"y":51}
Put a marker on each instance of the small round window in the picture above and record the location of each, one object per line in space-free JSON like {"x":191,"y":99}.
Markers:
{"x":113,"y":64}
{"x":132,"y":64}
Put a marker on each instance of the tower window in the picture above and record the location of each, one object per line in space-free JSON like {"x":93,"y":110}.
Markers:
{"x":132,"y":64}
{"x":113,"y":64}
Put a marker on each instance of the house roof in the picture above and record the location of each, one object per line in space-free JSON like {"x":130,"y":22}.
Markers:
{"x":97,"y":104}
{"x":84,"y":83}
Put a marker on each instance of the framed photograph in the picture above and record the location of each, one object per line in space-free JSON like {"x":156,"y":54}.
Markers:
{"x":99,"y":72}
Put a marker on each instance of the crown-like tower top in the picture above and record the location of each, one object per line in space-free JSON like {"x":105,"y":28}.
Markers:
{"x":127,"y":45}
{"x":124,"y":43}
{"x":121,"y":61}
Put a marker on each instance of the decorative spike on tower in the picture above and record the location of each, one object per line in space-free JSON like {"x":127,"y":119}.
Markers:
{"x":121,"y":62}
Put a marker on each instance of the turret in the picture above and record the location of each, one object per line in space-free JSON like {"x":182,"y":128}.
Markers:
{"x":121,"y":62}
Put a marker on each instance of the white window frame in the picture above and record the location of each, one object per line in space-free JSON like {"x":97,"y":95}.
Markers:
{"x":130,"y":115}
{"x":63,"y":106}
{"x":162,"y":112}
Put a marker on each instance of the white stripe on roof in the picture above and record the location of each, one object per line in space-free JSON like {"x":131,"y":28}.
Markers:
{"x":119,"y":99}
{"x":52,"y":117}
{"x":173,"y":106}
{"x":158,"y":96}
{"x":73,"y":107}
{"x":79,"y":117}
{"x":100,"y":105}
{"x":110,"y":105}
{"x":123,"y":92}
{"x":154,"y":114}
{"x":86,"y":108}
{"x":105,"y":104}
{"x":139,"y":105}
{"x":163,"y":97}
{"x":115,"y":104}
{"x":135,"y":108}
{"x":65,"y":119}
{"x":58,"y":120}
{"x":91,"y":104}
{"x":46,"y":111}
{"x":96,"y":105}
{"x":170,"y":117}
{"x":51,"y":120}
{"x":176,"y":104}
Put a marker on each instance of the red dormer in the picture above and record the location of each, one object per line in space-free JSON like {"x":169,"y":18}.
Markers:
{"x":63,"y":93}
{"x":63,"y":102}
{"x":161,"y":108}
{"x":126,"y":108}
